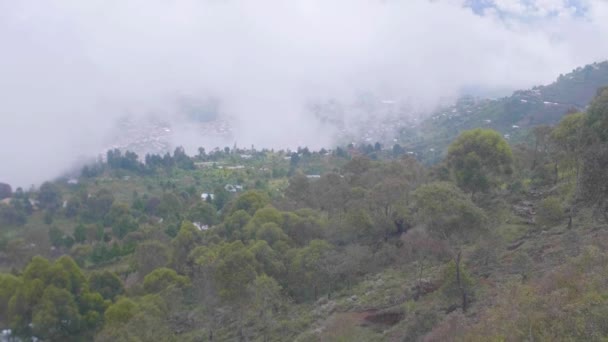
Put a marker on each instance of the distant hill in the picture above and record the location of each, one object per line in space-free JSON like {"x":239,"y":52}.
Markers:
{"x":513,"y":116}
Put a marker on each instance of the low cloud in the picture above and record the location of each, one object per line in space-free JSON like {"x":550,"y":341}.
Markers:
{"x":71,"y":68}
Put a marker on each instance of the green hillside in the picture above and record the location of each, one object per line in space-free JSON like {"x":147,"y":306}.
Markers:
{"x":497,"y":242}
{"x":513,"y":116}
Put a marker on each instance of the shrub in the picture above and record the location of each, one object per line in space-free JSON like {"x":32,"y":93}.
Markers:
{"x":550,"y":212}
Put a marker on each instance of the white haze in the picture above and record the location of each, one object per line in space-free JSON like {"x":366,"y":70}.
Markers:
{"x":69,"y":69}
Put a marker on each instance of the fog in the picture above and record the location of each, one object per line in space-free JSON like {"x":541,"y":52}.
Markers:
{"x":70,"y":69}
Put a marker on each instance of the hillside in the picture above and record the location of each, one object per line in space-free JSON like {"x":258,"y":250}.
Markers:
{"x":498,"y":242}
{"x":513,"y":116}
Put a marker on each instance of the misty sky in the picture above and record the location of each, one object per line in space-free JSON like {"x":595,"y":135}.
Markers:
{"x":69,"y":69}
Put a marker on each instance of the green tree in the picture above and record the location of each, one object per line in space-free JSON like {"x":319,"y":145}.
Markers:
{"x":268,"y":260}
{"x":150,"y":255}
{"x":235,"y":222}
{"x":144,"y":320}
{"x":307,"y":276}
{"x":571,"y":136}
{"x":56,"y":317}
{"x":56,"y":236}
{"x":234,"y":271}
{"x":304,"y":225}
{"x":8,"y":286}
{"x":66,"y":274}
{"x":266,"y":299}
{"x":161,"y":278}
{"x":49,"y":196}
{"x":121,"y":220}
{"x":550,"y":211}
{"x":221,"y":197}
{"x":298,"y":190}
{"x":73,"y":207}
{"x":203,"y":213}
{"x":80,"y":233}
{"x":187,"y":238}
{"x":448,"y":214}
{"x":262,"y":217}
{"x":598,"y":114}
{"x":98,"y":205}
{"x":251,"y":201}
{"x":107,"y":283}
{"x":53,"y":302}
{"x":271,"y":233}
{"x":330,"y":193}
{"x":477,"y":158}
{"x":594,"y":178}
{"x":170,"y":206}
{"x":120,"y":312}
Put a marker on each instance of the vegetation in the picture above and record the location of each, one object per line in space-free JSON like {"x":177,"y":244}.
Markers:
{"x":498,"y":241}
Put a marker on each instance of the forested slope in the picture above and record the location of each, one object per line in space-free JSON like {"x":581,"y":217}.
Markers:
{"x":497,"y":241}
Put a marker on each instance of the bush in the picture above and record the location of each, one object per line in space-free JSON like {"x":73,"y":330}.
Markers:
{"x":162,"y":278}
{"x":550,"y":212}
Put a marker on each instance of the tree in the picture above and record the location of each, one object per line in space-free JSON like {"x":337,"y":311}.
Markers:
{"x":422,"y":248}
{"x":598,"y":114}
{"x":187,"y":238}
{"x":203,"y":213}
{"x":66,"y":274}
{"x":98,"y":205}
{"x":594,"y":178}
{"x":56,"y":316}
{"x":304,"y":225}
{"x":271,"y":233}
{"x":477,"y":158}
{"x":233,"y":224}
{"x":542,"y":135}
{"x":73,"y":207}
{"x":448,"y":214}
{"x":330,"y":193}
{"x":150,"y":255}
{"x":56,"y":236}
{"x":571,"y":136}
{"x":250,"y":202}
{"x":221,"y":197}
{"x":49,"y":196}
{"x":268,"y":261}
{"x":11,"y":215}
{"x":53,"y":302}
{"x":161,"y":278}
{"x":5,"y":191}
{"x":234,"y":272}
{"x":80,"y":233}
{"x":261,"y":218}
{"x":121,"y":311}
{"x":170,"y":206}
{"x":144,"y":320}
{"x":550,"y":211}
{"x":356,"y":167}
{"x":298,"y":189}
{"x":8,"y":285}
{"x":307,"y":275}
{"x":107,"y":283}
{"x":266,"y":299}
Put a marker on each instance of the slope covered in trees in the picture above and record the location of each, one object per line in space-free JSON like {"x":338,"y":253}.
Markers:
{"x":497,"y":241}
{"x":512,"y":116}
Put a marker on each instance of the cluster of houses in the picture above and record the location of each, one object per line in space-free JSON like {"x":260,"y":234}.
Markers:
{"x":232,"y":188}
